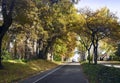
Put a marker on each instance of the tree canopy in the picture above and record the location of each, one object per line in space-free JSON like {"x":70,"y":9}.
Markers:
{"x":36,"y":28}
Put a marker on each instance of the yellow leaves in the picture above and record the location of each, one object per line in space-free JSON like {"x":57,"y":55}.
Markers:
{"x":82,"y":19}
{"x":103,"y":12}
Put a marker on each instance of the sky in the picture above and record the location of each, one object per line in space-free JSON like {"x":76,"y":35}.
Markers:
{"x":113,"y":5}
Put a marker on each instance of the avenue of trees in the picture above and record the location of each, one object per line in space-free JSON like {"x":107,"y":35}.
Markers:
{"x":98,"y":25}
{"x":38,"y":28}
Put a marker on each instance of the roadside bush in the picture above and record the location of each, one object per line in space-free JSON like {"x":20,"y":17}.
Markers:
{"x":6,"y":55}
{"x":115,"y":58}
{"x":57,"y":58}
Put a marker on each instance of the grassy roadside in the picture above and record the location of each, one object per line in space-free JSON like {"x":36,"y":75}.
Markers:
{"x":101,"y":74}
{"x":17,"y":70}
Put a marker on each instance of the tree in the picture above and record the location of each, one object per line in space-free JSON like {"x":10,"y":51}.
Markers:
{"x":28,"y":23}
{"x":53,"y":20}
{"x":7,"y":21}
{"x":28,"y":26}
{"x":118,"y":51}
{"x":64,"y":47}
{"x":60,"y":49}
{"x":86,"y":42}
{"x":99,"y":24}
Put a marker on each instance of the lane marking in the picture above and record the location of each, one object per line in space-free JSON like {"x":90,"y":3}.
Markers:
{"x":110,"y":65}
{"x":48,"y":74}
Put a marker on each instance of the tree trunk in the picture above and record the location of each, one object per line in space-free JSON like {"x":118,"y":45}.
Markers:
{"x":42,"y":53}
{"x":15,"y":49}
{"x":62,"y":58}
{"x":46,"y":51}
{"x":7,"y":21}
{"x":33,"y":48}
{"x":8,"y":46}
{"x":1,"y":66}
{"x":40,"y":49}
{"x":95,"y":44}
{"x":95,"y":55}
{"x":89,"y":55}
{"x":26,"y":48}
{"x":37,"y":48}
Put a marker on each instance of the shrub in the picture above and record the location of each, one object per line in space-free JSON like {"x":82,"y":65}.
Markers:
{"x":57,"y":58}
{"x":6,"y":55}
{"x":115,"y":58}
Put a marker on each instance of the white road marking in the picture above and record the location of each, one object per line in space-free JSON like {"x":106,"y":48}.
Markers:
{"x":116,"y":66}
{"x":48,"y":74}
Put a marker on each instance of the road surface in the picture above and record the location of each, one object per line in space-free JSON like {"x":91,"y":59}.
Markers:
{"x":69,"y":73}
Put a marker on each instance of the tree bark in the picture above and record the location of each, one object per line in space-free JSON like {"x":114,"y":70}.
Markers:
{"x":96,"y":51}
{"x":46,"y":49}
{"x":37,"y":48}
{"x":7,"y":21}
{"x":15,"y":49}
{"x":95,"y":55}
{"x":26,"y":48}
{"x":40,"y":49}
{"x":95,"y":47}
{"x":89,"y":55}
{"x":1,"y":66}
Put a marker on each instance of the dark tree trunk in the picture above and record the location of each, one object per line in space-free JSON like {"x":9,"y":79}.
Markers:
{"x":1,"y":66}
{"x":7,"y":21}
{"x":47,"y":49}
{"x":15,"y":49}
{"x":40,"y":49}
{"x":44,"y":49}
{"x":43,"y":53}
{"x":33,"y":48}
{"x":89,"y":59}
{"x":46,"y":52}
{"x":95,"y":46}
{"x":49,"y":46}
{"x":95,"y":49}
{"x":95,"y":55}
{"x":26,"y":48}
{"x":89,"y":55}
{"x":3,"y":30}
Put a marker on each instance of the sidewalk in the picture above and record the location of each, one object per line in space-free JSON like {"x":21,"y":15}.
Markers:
{"x":115,"y":64}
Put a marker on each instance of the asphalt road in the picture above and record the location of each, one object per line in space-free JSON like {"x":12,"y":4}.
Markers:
{"x":69,"y":73}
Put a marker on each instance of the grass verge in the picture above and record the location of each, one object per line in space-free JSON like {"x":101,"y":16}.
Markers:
{"x":101,"y":74}
{"x":17,"y":70}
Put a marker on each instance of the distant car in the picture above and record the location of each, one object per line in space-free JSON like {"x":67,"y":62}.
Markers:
{"x":73,"y":60}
